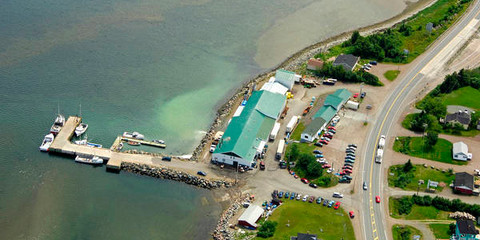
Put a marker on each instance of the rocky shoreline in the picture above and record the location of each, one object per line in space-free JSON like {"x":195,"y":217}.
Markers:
{"x":294,"y":62}
{"x":166,"y":173}
{"x":222,"y":231}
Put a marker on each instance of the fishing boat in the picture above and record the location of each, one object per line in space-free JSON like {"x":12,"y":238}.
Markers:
{"x":58,"y":123}
{"x":158,"y":141}
{"x":133,"y":143}
{"x":80,"y":129}
{"x":93,"y":160}
{"x":47,"y":141}
{"x":135,"y":135}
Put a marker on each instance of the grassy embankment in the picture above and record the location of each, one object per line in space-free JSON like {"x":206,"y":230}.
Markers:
{"x":297,"y":133}
{"x":415,"y":147}
{"x":417,"y":213}
{"x":441,"y":231}
{"x":418,"y":172}
{"x":406,"y":230}
{"x":303,"y":217}
{"x":418,"y":39}
{"x":391,"y":74}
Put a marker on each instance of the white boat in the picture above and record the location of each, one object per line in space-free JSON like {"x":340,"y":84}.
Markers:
{"x":58,"y":124}
{"x":47,"y":141}
{"x":80,"y":129}
{"x":135,"y":135}
{"x":93,"y":160}
{"x":158,"y":141}
{"x":81,"y":142}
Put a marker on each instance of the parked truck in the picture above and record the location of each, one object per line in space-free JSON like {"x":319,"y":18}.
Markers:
{"x":381,"y":145}
{"x":274,"y":132}
{"x":291,"y":125}
{"x":381,"y":142}
{"x":281,"y":146}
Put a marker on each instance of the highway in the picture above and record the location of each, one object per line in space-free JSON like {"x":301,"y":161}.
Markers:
{"x":374,"y":218}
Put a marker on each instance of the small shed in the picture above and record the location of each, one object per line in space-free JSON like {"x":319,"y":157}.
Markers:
{"x":460,"y":152}
{"x":353,"y":105}
{"x":314,"y":64}
{"x":463,"y":183}
{"x":250,"y":217}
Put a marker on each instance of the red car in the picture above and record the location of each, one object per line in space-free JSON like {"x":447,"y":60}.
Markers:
{"x":326,"y":166}
{"x":337,"y":205}
{"x":325,"y":142}
{"x":304,"y":180}
{"x":355,"y":95}
{"x":343,"y":173}
{"x":347,"y":171}
{"x":332,"y":127}
{"x":377,"y":199}
{"x":352,"y":215}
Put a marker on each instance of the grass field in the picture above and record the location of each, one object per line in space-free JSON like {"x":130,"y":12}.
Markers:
{"x":314,"y":218}
{"x":297,"y":133}
{"x":302,"y":147}
{"x":440,"y":152}
{"x":391,"y":74}
{"x":398,"y":229}
{"x":417,"y":213}
{"x":440,"y":230}
{"x":421,"y":172}
{"x":466,"y":96}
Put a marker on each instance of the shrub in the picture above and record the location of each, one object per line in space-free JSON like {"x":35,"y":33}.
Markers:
{"x":267,"y":229}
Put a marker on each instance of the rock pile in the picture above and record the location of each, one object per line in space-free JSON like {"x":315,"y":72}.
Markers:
{"x":222,"y":231}
{"x":461,"y":215}
{"x":165,"y":173}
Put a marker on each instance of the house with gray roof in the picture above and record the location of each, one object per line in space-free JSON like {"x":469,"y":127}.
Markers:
{"x":248,"y":132}
{"x":463,"y":183}
{"x":462,"y":117}
{"x":347,"y":61}
{"x":313,"y":129}
{"x":465,"y":230}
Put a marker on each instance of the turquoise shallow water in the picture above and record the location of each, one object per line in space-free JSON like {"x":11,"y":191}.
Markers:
{"x":157,"y":67}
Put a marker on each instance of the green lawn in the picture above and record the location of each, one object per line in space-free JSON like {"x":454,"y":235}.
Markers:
{"x":440,"y":230}
{"x":391,"y":74}
{"x":297,"y":133}
{"x":417,"y":213}
{"x":470,"y":133}
{"x":398,"y":229}
{"x":314,"y":218}
{"x":302,"y":147}
{"x":420,"y":172}
{"x":408,"y":119}
{"x":466,"y":96}
{"x":440,"y":152}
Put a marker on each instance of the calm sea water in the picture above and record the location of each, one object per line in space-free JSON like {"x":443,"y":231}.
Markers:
{"x":154,"y":66}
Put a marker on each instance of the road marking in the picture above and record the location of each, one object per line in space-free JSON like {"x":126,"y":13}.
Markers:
{"x":374,"y":229}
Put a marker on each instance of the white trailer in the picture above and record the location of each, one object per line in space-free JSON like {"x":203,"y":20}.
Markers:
{"x":281,"y":146}
{"x":291,"y":125}
{"x":274,"y":132}
{"x":381,"y":142}
{"x":378,"y":158}
{"x":352,"y":105}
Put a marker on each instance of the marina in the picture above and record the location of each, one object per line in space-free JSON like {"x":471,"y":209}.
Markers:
{"x":62,"y":144}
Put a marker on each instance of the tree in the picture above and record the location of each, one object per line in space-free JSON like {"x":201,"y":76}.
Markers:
{"x":452,"y":228}
{"x":431,"y":139}
{"x":293,"y":154}
{"x":408,"y":166}
{"x":267,"y":229}
{"x":405,"y":205}
{"x":355,"y":37}
{"x":304,"y":160}
{"x":314,"y":170}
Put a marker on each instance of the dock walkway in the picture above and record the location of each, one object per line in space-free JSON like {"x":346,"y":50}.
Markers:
{"x":62,"y":144}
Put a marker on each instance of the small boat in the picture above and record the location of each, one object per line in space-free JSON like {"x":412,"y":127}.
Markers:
{"x":94,"y":160}
{"x":158,"y":141}
{"x":58,"y":123}
{"x":80,"y":129}
{"x":120,"y":146}
{"x":133,"y":143}
{"x":81,"y":142}
{"x":135,"y":135}
{"x":94,"y":145}
{"x":47,"y":141}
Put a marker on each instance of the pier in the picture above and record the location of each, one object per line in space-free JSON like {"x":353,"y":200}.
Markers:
{"x":144,"y":142}
{"x":62,"y":144}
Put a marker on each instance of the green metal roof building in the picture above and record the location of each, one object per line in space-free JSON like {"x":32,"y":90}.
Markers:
{"x":286,"y":78}
{"x":245,"y":132}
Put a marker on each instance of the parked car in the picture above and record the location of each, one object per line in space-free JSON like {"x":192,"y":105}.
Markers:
{"x":373,"y":62}
{"x":349,"y":161}
{"x":352,"y":145}
{"x":356,"y":94}
{"x":326,"y":166}
{"x":304,"y":180}
{"x":348,"y":164}
{"x":305,"y":198}
{"x":282,"y":164}
{"x":337,"y":205}
{"x":280,"y":194}
{"x":325,"y":202}
{"x":275,"y":193}
{"x":292,"y":196}
{"x":365,"y":186}
{"x":349,"y":151}
{"x":212,"y":148}
{"x":167,"y":159}
{"x":348,"y":177}
{"x":347,"y":167}
{"x":318,"y":144}
{"x":363,"y":94}
{"x":337,"y":195}
{"x":330,"y":204}
{"x":299,"y":196}
{"x":343,"y":180}
{"x":351,"y":214}
{"x":332,"y":127}
{"x":317,"y":152}
{"x":313,"y":185}
{"x":287,"y":194}
{"x":319,"y":155}
{"x":377,"y":199}
{"x":319,"y":200}
{"x":202,"y":173}
{"x":262,"y":165}
{"x":311,"y":199}
{"x":348,"y":171}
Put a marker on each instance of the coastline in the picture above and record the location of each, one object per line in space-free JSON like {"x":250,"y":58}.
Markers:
{"x":295,"y":60}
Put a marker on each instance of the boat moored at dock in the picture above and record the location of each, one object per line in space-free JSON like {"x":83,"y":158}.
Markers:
{"x":57,"y":124}
{"x":47,"y":141}
{"x":135,"y":135}
{"x":95,"y":160}
{"x":81,"y":129}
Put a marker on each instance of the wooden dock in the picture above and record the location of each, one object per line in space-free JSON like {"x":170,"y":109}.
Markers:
{"x":144,"y":142}
{"x":62,"y":144}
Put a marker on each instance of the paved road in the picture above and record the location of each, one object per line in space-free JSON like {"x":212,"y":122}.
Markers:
{"x":374,"y":218}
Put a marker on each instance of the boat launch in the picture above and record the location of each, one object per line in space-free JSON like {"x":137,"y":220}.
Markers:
{"x":47,"y":141}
